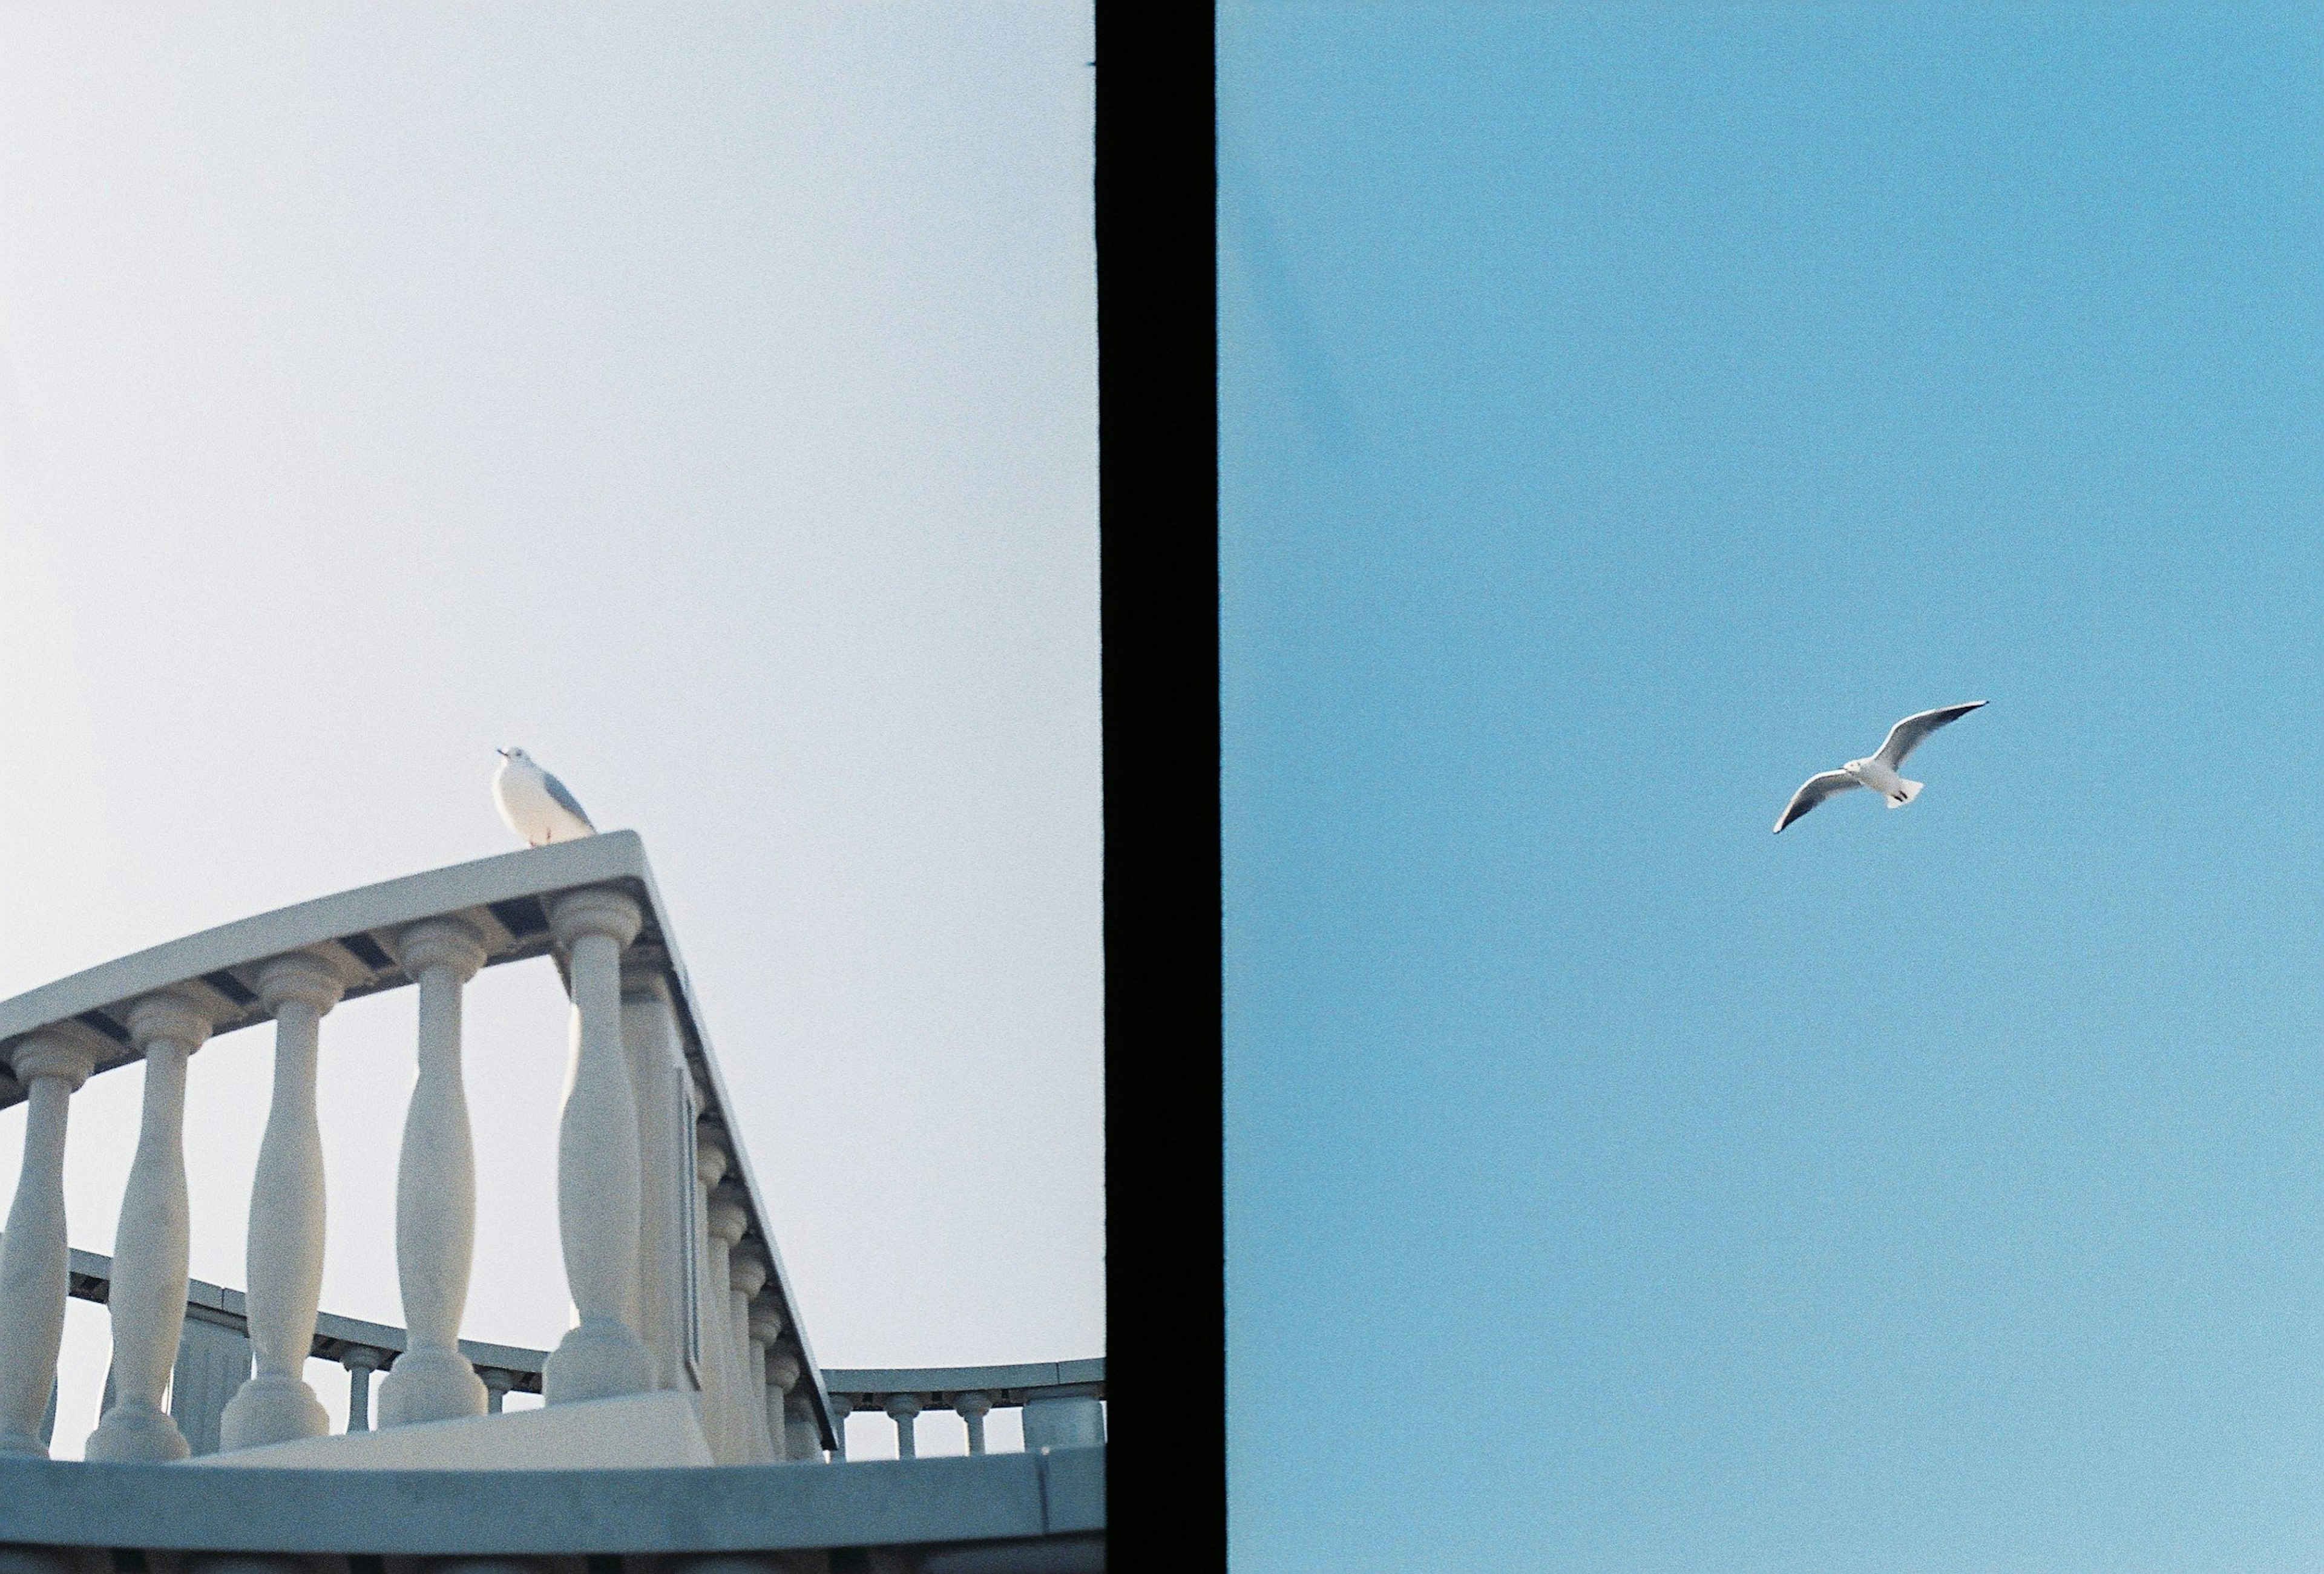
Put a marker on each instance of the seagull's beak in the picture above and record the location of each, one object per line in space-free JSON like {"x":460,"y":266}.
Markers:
{"x":502,"y":753}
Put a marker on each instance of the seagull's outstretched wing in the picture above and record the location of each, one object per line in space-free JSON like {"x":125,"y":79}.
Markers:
{"x":564,"y":799}
{"x":1814,"y":791}
{"x":1905,"y":735}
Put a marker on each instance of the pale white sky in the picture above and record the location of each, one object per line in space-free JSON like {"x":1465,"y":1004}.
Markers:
{"x":702,"y":396}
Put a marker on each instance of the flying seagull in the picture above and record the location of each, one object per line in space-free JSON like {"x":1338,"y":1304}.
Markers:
{"x":1879,"y":772}
{"x":535,"y":804}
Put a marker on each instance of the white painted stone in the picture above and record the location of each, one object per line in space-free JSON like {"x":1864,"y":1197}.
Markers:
{"x":597,"y":1182}
{"x":717,"y":1216}
{"x":285,"y":1248}
{"x":361,"y":1362}
{"x":32,"y":1254}
{"x":1065,"y":1420}
{"x":147,"y":1298}
{"x":766,"y":1418}
{"x":973,"y":1408}
{"x":728,"y":1221}
{"x":436,"y":1190}
{"x":633,"y":1431}
{"x":904,"y":1410}
{"x":782,"y":1374}
{"x":841,"y":1407}
{"x":747,"y":1271}
{"x":666,"y":1109}
{"x":802,"y":1441}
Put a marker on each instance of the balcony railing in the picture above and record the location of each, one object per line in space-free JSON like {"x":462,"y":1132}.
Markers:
{"x":669,"y":1254}
{"x":1062,"y":1402}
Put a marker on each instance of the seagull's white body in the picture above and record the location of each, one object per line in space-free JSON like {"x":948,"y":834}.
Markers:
{"x":1871,"y":773}
{"x":535,"y":805}
{"x":1878,"y":770}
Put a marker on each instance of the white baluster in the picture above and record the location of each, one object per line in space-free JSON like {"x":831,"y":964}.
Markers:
{"x":903,"y":1409}
{"x":971,"y":1409}
{"x":597,"y":1185}
{"x":361,"y":1362}
{"x":436,"y":1190}
{"x":803,"y":1439}
{"x":710,"y":1161}
{"x":766,"y":1416}
{"x":841,"y":1407}
{"x":662,"y":1088}
{"x":147,"y":1303}
{"x":746,"y":1268}
{"x":32,"y":1256}
{"x":782,"y":1373}
{"x":285,"y":1249}
{"x":497,"y":1384}
{"x":728,"y":1220}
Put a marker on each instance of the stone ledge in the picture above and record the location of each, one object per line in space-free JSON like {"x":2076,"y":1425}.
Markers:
{"x":730,"y":1508}
{"x":639,"y":1431}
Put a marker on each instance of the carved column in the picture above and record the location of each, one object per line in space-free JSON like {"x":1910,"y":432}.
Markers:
{"x":782,"y":1376}
{"x":361,"y":1362}
{"x":597,"y":1185}
{"x":746,"y":1272}
{"x":971,"y":1409}
{"x":666,"y":1158}
{"x":728,"y":1221}
{"x":841,"y":1407}
{"x":766,"y":1414}
{"x":436,"y":1190}
{"x":285,"y":1251}
{"x":32,"y":1256}
{"x":147,"y":1303}
{"x":803,"y":1441}
{"x":904,"y":1409}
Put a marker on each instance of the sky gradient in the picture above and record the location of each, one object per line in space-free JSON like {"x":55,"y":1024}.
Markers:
{"x":1627,"y":412}
{"x":702,"y":397}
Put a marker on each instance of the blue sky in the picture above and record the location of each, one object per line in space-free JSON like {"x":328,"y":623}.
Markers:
{"x":1627,"y":412}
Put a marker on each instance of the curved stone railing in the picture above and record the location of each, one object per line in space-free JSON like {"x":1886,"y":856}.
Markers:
{"x":1040,"y":1512}
{"x":1062,"y":1402}
{"x":669,"y":1254}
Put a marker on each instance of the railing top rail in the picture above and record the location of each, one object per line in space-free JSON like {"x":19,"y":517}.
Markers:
{"x":505,"y":897}
{"x":1005,"y":1383}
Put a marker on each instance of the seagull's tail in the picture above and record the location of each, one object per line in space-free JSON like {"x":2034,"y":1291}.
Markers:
{"x":1912,"y":790}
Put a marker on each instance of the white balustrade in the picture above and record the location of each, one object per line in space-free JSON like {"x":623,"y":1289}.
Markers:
{"x":841,"y":1407}
{"x":666,"y":1109}
{"x":147,"y":1298}
{"x":597,"y":1179}
{"x":971,"y":1409}
{"x":361,"y":1362}
{"x":436,"y":1189}
{"x":782,"y":1374}
{"x":728,"y":1221}
{"x":766,"y":1415}
{"x":904,"y":1410}
{"x":746,"y":1268}
{"x":1063,"y":1421}
{"x":33,"y":1254}
{"x":801,"y":1439}
{"x":285,"y":1248}
{"x":668,"y":1290}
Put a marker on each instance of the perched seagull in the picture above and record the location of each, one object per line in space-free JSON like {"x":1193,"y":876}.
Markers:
{"x":535,"y":804}
{"x":1879,"y":772}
